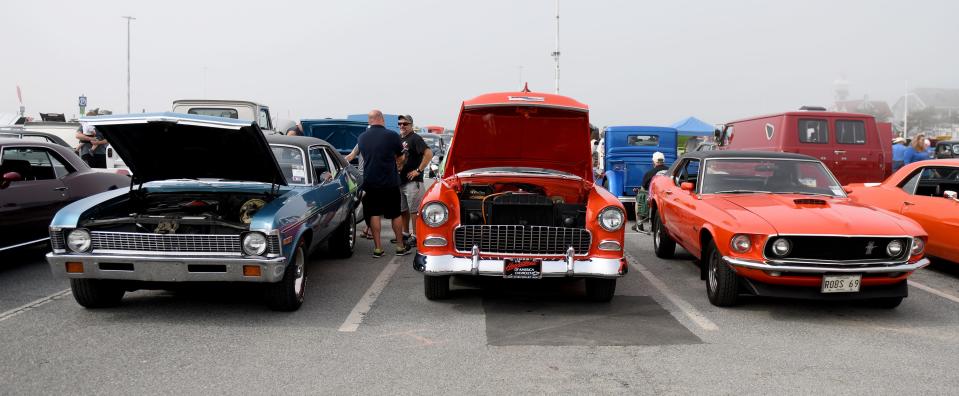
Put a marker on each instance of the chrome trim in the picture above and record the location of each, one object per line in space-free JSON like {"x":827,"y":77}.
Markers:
{"x":569,"y":260}
{"x":618,"y":247}
{"x":770,"y":237}
{"x":599,"y":219}
{"x":626,"y":199}
{"x":474,"y":260}
{"x":165,"y":243}
{"x":435,"y":241}
{"x":452,"y":265}
{"x":167,"y":269}
{"x":423,"y":214}
{"x":310,"y":177}
{"x":877,"y":268}
{"x":517,"y":254}
{"x":151,"y":253}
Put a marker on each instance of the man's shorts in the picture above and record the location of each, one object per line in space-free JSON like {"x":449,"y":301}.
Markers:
{"x":381,"y":202}
{"x":412,"y":195}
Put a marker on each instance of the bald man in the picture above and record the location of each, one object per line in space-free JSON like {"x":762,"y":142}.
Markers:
{"x":381,"y":148}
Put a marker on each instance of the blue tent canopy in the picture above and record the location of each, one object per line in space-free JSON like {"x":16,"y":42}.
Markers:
{"x":692,"y":126}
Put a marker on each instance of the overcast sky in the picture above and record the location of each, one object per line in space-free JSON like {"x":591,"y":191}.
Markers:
{"x":633,"y":62}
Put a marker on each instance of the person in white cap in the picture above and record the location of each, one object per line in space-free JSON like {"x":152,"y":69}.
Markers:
{"x":898,"y":152}
{"x":659,"y":164}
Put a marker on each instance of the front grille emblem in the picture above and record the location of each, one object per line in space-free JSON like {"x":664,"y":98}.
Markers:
{"x":869,"y":247}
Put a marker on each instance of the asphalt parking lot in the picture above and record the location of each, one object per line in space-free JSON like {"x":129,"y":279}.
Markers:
{"x":366,"y":328}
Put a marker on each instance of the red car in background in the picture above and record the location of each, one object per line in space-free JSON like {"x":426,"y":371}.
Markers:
{"x":518,"y":201}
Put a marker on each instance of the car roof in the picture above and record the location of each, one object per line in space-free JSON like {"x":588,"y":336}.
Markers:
{"x":303,"y":142}
{"x":27,"y":132}
{"x":747,"y":154}
{"x":638,"y":128}
{"x":524,"y":98}
{"x":804,"y":113}
{"x":15,"y":141}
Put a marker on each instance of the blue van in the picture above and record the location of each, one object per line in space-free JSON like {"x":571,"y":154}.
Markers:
{"x":341,"y":134}
{"x":628,"y":156}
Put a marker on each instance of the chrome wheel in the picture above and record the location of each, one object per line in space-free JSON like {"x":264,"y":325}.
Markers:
{"x":713,"y":282}
{"x":300,"y":280}
{"x":351,"y":237}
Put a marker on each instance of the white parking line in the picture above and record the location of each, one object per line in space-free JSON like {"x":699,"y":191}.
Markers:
{"x":923,"y":287}
{"x":32,"y":304}
{"x":365,"y":304}
{"x":688,"y":309}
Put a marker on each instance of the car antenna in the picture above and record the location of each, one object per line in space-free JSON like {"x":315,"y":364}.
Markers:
{"x":526,"y":87}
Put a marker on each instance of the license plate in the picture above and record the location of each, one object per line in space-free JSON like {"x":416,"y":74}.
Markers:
{"x":841,"y":283}
{"x":523,"y":269}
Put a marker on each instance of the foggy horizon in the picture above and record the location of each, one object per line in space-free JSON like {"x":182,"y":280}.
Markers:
{"x":631,"y":62}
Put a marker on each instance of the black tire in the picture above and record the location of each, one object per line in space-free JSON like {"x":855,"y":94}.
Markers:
{"x":722,"y":283}
{"x":436,"y":287}
{"x":343,"y":240}
{"x":663,"y":244}
{"x":600,"y":289}
{"x":288,"y":294}
{"x":97,"y":293}
{"x":886,"y":303}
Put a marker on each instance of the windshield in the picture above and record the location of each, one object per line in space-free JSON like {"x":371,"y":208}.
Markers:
{"x":215,"y":112}
{"x":291,"y":161}
{"x":520,"y":169}
{"x":778,"y":176}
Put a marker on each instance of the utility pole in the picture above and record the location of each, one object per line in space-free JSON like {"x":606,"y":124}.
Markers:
{"x":905,"y":112}
{"x":556,"y":53}
{"x":129,"y":19}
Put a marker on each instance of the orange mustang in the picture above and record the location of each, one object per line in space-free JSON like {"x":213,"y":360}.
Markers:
{"x":779,"y":224}
{"x":518,"y":201}
{"x":924,"y":191}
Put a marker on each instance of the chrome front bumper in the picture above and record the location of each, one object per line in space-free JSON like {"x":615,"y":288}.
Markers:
{"x":875,"y":268}
{"x":168,"y":269}
{"x":452,"y":265}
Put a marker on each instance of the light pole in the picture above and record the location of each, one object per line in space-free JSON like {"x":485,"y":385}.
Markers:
{"x":556,"y":53}
{"x":128,"y":18}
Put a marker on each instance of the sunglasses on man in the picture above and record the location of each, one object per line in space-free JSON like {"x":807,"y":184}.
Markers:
{"x":403,"y":123}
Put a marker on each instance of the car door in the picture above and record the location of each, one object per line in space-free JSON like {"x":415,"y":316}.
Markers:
{"x":673,"y":212}
{"x":939,"y":216}
{"x":684,"y":202}
{"x":325,"y":192}
{"x":28,"y":205}
{"x":813,"y":137}
{"x":341,"y":179}
{"x":857,"y":152}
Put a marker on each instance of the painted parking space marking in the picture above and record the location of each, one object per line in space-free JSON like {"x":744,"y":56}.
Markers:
{"x":927,"y":289}
{"x":33,"y":304}
{"x":687,"y":309}
{"x":365,"y":304}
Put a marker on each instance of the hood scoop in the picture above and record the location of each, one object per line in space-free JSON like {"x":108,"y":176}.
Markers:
{"x":810,"y":201}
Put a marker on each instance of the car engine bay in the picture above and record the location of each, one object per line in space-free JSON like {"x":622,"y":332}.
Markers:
{"x":177,"y":213}
{"x":517,"y":204}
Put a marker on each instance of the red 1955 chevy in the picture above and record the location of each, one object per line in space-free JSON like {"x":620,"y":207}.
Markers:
{"x":517,"y":199}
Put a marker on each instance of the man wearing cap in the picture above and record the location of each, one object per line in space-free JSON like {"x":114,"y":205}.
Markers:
{"x":659,"y":165}
{"x":898,"y":153}
{"x":418,"y":157}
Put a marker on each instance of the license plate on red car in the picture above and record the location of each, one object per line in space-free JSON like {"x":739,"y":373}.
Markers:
{"x":841,"y":283}
{"x":523,"y":269}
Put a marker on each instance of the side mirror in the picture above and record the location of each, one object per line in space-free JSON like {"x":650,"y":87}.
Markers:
{"x":687,"y":186}
{"x":8,"y":178}
{"x":847,"y":190}
{"x":949,"y":194}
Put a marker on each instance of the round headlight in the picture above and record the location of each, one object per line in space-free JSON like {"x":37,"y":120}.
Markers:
{"x":254,"y":244}
{"x":435,"y":214}
{"x":918,"y":245}
{"x":894,"y":248}
{"x":611,"y":218}
{"x":781,"y":247}
{"x":79,"y":240}
{"x":740,"y":243}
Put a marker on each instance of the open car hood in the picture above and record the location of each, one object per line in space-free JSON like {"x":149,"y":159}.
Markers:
{"x":341,"y":134}
{"x":522,"y":129}
{"x":163,"y":146}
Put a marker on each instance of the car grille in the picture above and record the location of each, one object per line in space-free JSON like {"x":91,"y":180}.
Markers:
{"x":518,"y":239}
{"x":840,"y":248}
{"x":56,"y":240}
{"x":185,"y":243}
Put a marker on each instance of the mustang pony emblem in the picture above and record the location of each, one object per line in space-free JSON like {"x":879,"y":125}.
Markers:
{"x":869,"y":247}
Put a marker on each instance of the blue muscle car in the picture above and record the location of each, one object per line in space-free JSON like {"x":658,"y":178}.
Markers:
{"x":211,"y":199}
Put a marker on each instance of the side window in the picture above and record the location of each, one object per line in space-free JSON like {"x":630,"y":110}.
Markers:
{"x":335,"y":165}
{"x":813,"y":131}
{"x":642,"y":140}
{"x":321,"y":167}
{"x":33,"y":163}
{"x":932,"y":181}
{"x":687,"y":172}
{"x":850,"y":132}
{"x":264,"y":119}
{"x":910,"y":185}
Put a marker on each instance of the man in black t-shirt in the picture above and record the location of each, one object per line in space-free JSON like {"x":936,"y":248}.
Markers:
{"x":418,"y":157}
{"x":381,"y":148}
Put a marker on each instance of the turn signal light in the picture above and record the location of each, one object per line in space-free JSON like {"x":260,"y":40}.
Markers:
{"x":74,"y":267}
{"x":251,"y":270}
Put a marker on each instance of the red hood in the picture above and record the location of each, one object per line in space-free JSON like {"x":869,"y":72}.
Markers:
{"x":522,"y":129}
{"x":838,"y":216}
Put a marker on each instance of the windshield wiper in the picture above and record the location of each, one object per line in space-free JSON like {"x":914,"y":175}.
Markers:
{"x":804,"y":193}
{"x":741,"y":192}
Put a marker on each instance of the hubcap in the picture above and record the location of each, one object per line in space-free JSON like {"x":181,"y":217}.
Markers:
{"x":300,"y":275}
{"x":352,"y":236}
{"x":713,"y":280}
{"x":656,"y":232}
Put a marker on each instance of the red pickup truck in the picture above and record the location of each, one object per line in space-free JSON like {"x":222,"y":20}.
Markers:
{"x":851,"y":145}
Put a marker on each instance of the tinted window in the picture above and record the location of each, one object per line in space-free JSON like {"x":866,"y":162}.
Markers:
{"x":850,"y":132}
{"x":292,"y":163}
{"x":33,"y":163}
{"x":213,"y":112}
{"x":813,"y":131}
{"x":642,"y":140}
{"x":932,"y":181}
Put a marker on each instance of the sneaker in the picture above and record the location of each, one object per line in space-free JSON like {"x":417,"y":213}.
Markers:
{"x":406,"y":238}
{"x":377,"y":253}
{"x":404,"y":251}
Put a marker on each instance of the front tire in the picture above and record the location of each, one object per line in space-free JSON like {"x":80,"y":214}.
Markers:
{"x":96,"y":293}
{"x":663,"y":244}
{"x":722,"y":283}
{"x":600,"y":289}
{"x":288,"y":294}
{"x":436,"y":287}
{"x":343,"y":239}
